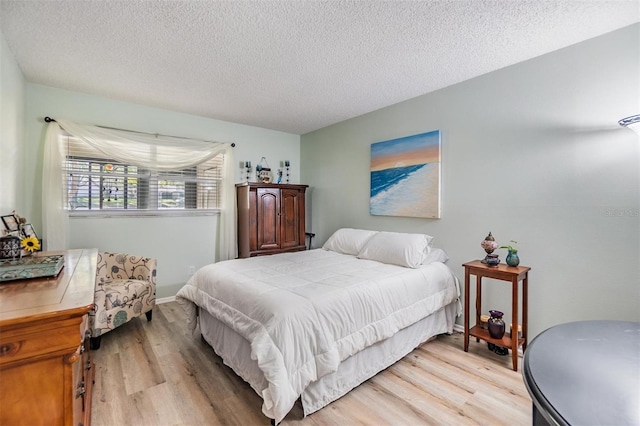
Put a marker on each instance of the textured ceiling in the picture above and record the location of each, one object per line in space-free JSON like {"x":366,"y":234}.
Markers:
{"x":294,"y":66}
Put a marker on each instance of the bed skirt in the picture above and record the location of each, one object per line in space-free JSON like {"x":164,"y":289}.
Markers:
{"x":235,"y":352}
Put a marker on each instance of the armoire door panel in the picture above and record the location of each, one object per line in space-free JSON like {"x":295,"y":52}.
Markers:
{"x":290,"y":213}
{"x":269,"y":213}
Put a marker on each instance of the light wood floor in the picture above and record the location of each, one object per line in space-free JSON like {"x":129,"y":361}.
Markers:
{"x":158,"y":373}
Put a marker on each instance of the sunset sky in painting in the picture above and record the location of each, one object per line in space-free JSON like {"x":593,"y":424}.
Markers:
{"x":407,"y":151}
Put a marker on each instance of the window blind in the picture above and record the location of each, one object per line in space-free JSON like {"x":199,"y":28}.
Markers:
{"x":96,"y":182}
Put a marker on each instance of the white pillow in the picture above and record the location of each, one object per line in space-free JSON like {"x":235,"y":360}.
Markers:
{"x":397,"y":248}
{"x":435,"y":255}
{"x":348,"y":240}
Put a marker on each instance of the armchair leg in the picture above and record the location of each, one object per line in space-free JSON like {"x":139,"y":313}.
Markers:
{"x":148,"y":314}
{"x":94,"y":342}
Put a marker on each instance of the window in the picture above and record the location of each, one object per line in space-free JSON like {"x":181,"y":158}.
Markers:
{"x":95,"y":182}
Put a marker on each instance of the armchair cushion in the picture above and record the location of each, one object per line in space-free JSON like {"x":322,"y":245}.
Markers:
{"x":121,"y":293}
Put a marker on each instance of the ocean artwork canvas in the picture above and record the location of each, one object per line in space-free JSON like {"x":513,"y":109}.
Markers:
{"x":405,"y":176}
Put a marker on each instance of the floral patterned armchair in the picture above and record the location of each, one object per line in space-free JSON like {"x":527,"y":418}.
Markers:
{"x":125,"y":289}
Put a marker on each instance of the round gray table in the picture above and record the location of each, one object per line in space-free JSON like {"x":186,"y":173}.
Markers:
{"x":585,"y":373}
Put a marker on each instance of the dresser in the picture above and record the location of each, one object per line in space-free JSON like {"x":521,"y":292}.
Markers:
{"x":46,"y":370}
{"x":271,"y":218}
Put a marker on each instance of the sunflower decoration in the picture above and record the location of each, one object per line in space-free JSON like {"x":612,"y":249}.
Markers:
{"x":30,"y":244}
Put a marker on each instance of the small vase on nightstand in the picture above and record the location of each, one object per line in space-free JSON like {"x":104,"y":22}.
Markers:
{"x":512,"y":258}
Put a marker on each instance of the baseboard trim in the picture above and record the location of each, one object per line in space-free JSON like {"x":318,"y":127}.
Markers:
{"x":165,"y":300}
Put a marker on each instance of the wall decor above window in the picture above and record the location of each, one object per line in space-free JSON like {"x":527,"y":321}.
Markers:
{"x":405,"y":176}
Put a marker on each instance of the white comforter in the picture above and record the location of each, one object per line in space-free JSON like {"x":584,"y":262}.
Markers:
{"x":305,"y":312}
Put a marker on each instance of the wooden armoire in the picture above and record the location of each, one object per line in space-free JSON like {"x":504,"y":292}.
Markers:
{"x":271,"y":218}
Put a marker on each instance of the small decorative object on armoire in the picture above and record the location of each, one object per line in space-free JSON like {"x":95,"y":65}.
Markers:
{"x":286,"y":167}
{"x":512,"y":254}
{"x":489,"y":245}
{"x":263,"y":171}
{"x":496,"y":324}
{"x":247,"y":166}
{"x":271,"y":218}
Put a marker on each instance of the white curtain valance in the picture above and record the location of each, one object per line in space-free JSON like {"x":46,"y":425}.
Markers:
{"x":155,"y":152}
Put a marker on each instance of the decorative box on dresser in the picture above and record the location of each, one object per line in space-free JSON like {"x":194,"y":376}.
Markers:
{"x":271,"y":218}
{"x":46,"y":372}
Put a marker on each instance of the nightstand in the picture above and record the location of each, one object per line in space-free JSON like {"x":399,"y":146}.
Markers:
{"x":512,"y":274}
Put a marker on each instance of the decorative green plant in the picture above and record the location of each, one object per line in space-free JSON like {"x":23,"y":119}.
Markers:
{"x":511,"y":248}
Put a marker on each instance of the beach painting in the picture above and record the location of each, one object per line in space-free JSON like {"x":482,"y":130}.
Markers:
{"x":405,"y":176}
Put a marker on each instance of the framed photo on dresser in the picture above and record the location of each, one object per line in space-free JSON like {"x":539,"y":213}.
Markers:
{"x":28,"y":231}
{"x":10,"y":223}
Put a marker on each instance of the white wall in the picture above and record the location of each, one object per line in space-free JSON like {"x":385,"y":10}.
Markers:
{"x":532,"y":153}
{"x":177,"y":242}
{"x":12,"y":87}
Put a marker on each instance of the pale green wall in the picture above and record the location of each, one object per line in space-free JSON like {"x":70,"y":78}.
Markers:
{"x":177,"y":242}
{"x":12,"y":87}
{"x":533,"y":153}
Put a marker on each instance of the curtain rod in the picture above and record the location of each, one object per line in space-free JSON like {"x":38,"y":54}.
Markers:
{"x":49,"y":120}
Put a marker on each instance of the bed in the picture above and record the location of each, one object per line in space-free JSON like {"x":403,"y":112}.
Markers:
{"x":315,"y":324}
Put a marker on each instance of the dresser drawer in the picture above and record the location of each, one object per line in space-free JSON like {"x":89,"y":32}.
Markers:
{"x":42,"y":340}
{"x":23,"y":404}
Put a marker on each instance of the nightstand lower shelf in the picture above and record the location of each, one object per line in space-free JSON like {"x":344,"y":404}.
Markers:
{"x":505,"y":342}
